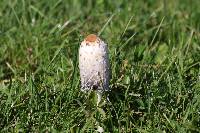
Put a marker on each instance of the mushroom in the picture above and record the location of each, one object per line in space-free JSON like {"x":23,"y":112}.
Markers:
{"x":94,"y":66}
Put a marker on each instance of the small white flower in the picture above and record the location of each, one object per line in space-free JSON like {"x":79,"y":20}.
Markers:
{"x":100,"y":129}
{"x":94,"y":65}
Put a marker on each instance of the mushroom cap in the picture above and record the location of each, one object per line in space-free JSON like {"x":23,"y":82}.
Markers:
{"x":94,"y":64}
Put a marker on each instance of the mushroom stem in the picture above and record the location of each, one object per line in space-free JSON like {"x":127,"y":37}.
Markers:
{"x":99,"y":96}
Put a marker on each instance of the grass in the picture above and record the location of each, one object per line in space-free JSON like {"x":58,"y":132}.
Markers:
{"x":154,"y":54}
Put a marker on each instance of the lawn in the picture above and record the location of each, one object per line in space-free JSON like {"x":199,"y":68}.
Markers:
{"x":154,"y":51}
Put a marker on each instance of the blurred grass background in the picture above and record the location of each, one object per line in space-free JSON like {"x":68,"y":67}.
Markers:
{"x":155,"y":60}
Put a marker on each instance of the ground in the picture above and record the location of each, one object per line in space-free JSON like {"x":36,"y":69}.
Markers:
{"x":154,"y":51}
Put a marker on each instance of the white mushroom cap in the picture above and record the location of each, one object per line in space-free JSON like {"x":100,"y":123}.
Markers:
{"x":94,"y":64}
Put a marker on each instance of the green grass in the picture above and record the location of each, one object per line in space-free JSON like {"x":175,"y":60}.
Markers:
{"x":154,"y":54}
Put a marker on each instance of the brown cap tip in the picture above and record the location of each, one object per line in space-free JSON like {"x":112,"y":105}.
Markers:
{"x":91,"y":38}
